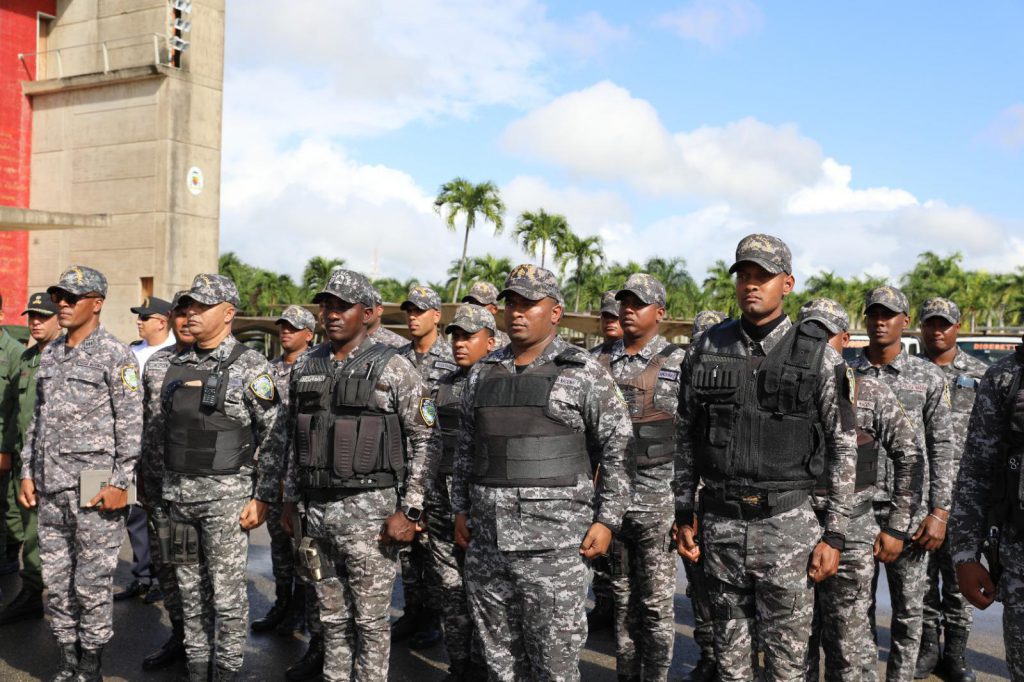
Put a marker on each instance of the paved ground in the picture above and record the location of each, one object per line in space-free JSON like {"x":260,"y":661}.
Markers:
{"x":27,"y":651}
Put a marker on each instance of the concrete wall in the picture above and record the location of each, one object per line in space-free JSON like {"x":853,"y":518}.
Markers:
{"x":122,"y":143}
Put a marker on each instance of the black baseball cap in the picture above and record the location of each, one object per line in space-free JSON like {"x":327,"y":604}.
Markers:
{"x":154,"y":306}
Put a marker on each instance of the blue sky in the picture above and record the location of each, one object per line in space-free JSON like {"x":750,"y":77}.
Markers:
{"x":862,"y":134}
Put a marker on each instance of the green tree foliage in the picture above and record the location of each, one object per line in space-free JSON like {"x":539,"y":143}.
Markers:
{"x":536,"y":230}
{"x":262,"y":292}
{"x":584,"y":254}
{"x":317,"y":273}
{"x":461,"y":197}
{"x":487,"y":268}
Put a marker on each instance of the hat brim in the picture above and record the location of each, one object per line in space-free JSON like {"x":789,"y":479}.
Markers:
{"x":477,"y":301}
{"x":831,"y":326}
{"x":40,"y":311}
{"x":333,"y":294}
{"x":528,"y":294}
{"x":73,"y":292}
{"x":203,"y":299}
{"x":619,"y":296}
{"x":887,"y":307}
{"x":771,"y":268}
{"x":945,"y":316}
{"x":468,"y":327}
{"x":150,"y":311}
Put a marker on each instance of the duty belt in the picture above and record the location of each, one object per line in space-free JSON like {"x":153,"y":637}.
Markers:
{"x":754,"y":506}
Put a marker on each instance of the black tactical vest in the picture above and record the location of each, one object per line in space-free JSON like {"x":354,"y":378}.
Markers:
{"x":757,"y":422}
{"x":1010,"y":502}
{"x":867,"y":454}
{"x":518,"y":442}
{"x":341,"y":440}
{"x":654,"y":430}
{"x":449,"y":422}
{"x":203,"y":440}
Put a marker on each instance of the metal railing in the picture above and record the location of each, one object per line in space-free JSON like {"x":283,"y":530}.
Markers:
{"x":159,"y":56}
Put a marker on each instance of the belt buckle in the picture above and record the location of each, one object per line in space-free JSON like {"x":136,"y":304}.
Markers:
{"x":751,"y":500}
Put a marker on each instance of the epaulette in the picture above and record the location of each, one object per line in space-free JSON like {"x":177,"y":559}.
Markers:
{"x":571,"y":356}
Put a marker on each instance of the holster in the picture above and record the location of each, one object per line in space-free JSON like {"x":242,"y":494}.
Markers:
{"x":313,"y":563}
{"x":184,"y":545}
{"x":162,"y":527}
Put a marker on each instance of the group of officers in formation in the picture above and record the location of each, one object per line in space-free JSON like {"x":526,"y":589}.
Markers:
{"x":503,"y":472}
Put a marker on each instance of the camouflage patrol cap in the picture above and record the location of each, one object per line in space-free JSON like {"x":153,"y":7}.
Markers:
{"x":939,"y":307}
{"x":771,"y":253}
{"x":81,"y":280}
{"x":887,"y":297}
{"x":349,"y":286}
{"x":471,"y":319}
{"x":609,"y":304}
{"x":298,"y":317}
{"x":211,"y":289}
{"x":705,"y":320}
{"x":423,"y":298}
{"x":645,"y":287}
{"x":41,"y":304}
{"x":826,"y":311}
{"x":176,"y":301}
{"x":481,"y":293}
{"x":378,"y":299}
{"x":532,"y":283}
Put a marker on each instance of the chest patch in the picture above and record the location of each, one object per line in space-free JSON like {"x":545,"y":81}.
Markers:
{"x":569,"y":382}
{"x":309,"y":378}
{"x":668,"y":374}
{"x":263,"y":387}
{"x":445,"y":365}
{"x":865,"y":405}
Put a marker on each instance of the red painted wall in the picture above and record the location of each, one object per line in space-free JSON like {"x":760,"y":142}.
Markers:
{"x":18,"y":27}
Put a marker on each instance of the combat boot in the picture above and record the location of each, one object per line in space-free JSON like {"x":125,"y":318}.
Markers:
{"x":171,"y":650}
{"x":28,"y":604}
{"x":602,"y":615}
{"x":89,"y":665}
{"x":407,"y":624}
{"x":429,"y":631}
{"x":223,"y":675}
{"x":198,"y":671}
{"x":68,"y":663}
{"x":705,"y":671}
{"x":277,"y":612}
{"x":954,"y":665}
{"x":311,"y":665}
{"x":295,"y":617}
{"x":928,"y":654}
{"x":457,"y":671}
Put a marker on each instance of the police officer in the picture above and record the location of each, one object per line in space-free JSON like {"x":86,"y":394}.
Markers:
{"x":988,"y":504}
{"x":376,"y":330}
{"x":485,"y":294}
{"x":10,"y":354}
{"x":88,"y":417}
{"x":22,"y":523}
{"x":646,"y":369}
{"x":354,"y":406}
{"x":472,"y":331}
{"x":921,"y":389}
{"x":841,"y":622}
{"x":296,"y":326}
{"x":758,"y":395}
{"x":220,"y":406}
{"x":946,"y":609}
{"x":611,"y":330}
{"x":430,"y":353}
{"x":151,"y":473}
{"x":535,"y":414}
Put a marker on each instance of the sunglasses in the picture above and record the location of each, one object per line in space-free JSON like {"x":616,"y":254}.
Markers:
{"x":68,"y":297}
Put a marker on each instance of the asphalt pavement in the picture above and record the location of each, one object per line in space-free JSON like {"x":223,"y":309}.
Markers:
{"x":28,"y":651}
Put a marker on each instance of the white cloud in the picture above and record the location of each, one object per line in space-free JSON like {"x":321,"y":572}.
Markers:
{"x":713,"y":22}
{"x":833,"y":194}
{"x":1007,"y":131}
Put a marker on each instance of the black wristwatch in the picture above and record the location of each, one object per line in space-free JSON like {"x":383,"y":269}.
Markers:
{"x":413,"y":514}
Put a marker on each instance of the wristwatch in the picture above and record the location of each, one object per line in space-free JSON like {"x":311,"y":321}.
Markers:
{"x":413,"y":514}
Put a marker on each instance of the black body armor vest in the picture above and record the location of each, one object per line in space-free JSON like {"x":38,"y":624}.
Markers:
{"x":201,"y":439}
{"x":342,"y":441}
{"x":449,"y":423}
{"x":518,"y":443}
{"x":757,"y":421}
{"x":654,"y":430}
{"x":867,"y":457}
{"x":1009,"y":505}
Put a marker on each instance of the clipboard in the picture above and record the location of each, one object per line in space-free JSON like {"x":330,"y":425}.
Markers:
{"x":91,"y":481}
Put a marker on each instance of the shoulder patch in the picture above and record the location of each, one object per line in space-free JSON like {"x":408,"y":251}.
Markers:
{"x":851,"y":384}
{"x":445,"y":365}
{"x":668,"y":374}
{"x":263,"y":387}
{"x":428,"y":411}
{"x":130,"y":378}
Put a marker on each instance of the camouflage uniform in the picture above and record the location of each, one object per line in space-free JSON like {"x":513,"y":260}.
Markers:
{"x":526,"y":579}
{"x":213,"y":503}
{"x":921,"y":389}
{"x":88,"y":415}
{"x":484,"y":294}
{"x":948,"y":607}
{"x":382,"y":334}
{"x":757,"y":569}
{"x":644,"y":583}
{"x":841,"y":623}
{"x":355,"y":603}
{"x":990,"y":458}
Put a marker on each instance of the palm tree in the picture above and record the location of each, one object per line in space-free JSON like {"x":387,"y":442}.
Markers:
{"x":393,"y":290}
{"x":462,"y":196}
{"x":316,"y":274}
{"x":486,"y":268}
{"x":718,"y":292}
{"x":582,"y":253}
{"x":538,"y":229}
{"x":682,"y":291}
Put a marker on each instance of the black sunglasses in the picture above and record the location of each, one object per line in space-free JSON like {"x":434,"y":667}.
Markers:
{"x":68,"y":297}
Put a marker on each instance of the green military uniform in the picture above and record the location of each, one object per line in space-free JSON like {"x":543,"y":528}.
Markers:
{"x":10,"y":359}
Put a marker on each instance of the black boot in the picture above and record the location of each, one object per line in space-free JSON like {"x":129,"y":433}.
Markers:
{"x":429,"y":631}
{"x":68,"y":663}
{"x":311,"y":665}
{"x":222,"y":675}
{"x":954,"y":660}
{"x":89,"y":665}
{"x":407,"y":625}
{"x":602,"y":615}
{"x":277,"y":612}
{"x":706,"y":670}
{"x":198,"y":671}
{"x":928,"y":654}
{"x":295,"y":618}
{"x":171,"y":650}
{"x":28,"y":604}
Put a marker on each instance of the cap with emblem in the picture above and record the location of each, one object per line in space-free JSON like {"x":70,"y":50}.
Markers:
{"x":176,"y":302}
{"x":40,"y":304}
{"x":887,"y":297}
{"x":609,"y":304}
{"x":421,"y":297}
{"x":532,"y":283}
{"x":153,"y":306}
{"x":212,"y":289}
{"x":377,"y":298}
{"x":481,"y":293}
{"x":298,"y":317}
{"x":939,"y":307}
{"x":471,"y":319}
{"x":348,"y":285}
{"x":81,"y":280}
{"x":771,"y":253}
{"x":705,"y":320}
{"x":645,"y":287}
{"x":827,"y":312}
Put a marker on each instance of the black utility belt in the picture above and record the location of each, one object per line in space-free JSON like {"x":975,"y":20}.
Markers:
{"x":753,"y":507}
